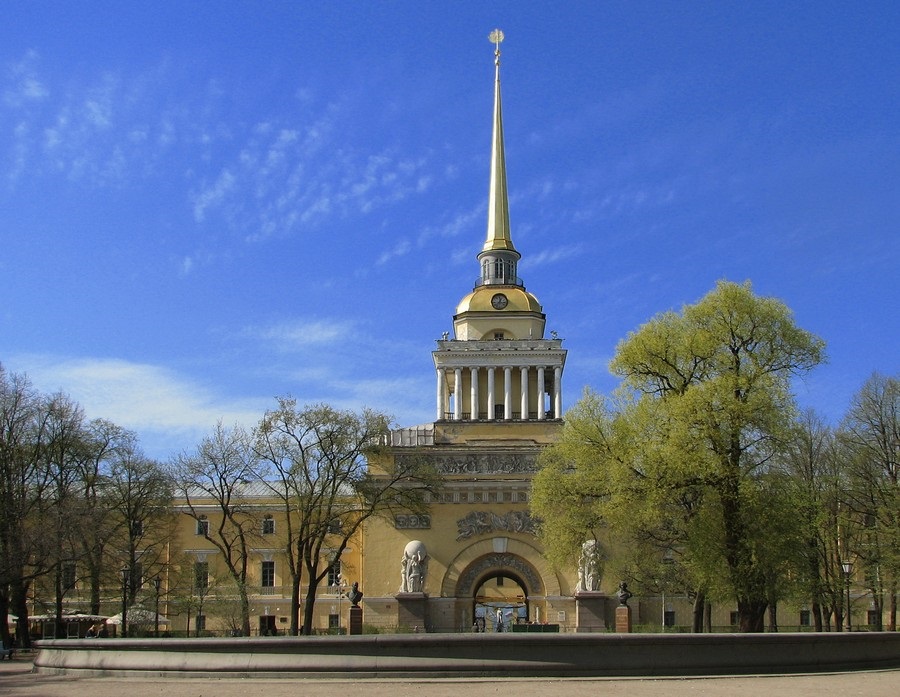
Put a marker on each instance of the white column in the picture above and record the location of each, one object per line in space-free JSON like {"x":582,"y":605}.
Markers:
{"x":473,"y":377}
{"x":490,"y":394}
{"x":507,"y":393}
{"x":523,"y":379}
{"x":441,"y":394}
{"x":457,"y":394}
{"x":557,"y":392}
{"x":541,"y":389}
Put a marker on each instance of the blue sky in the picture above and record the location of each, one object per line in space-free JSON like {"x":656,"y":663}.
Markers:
{"x":205,"y":205}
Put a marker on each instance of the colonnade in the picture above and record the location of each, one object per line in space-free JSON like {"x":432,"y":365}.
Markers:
{"x":452,"y":403}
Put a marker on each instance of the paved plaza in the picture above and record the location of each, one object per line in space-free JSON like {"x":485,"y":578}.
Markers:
{"x":17,"y":680}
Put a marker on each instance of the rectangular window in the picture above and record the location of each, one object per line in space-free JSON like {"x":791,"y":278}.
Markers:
{"x":735,"y":618}
{"x":669,"y":618}
{"x":203,"y":526}
{"x":201,"y":575}
{"x":804,"y":618}
{"x":334,"y":574}
{"x":267,"y":574}
{"x":69,"y":575}
{"x":268,"y":525}
{"x":334,"y":621}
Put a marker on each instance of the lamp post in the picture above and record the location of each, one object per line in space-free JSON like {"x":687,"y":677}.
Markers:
{"x":156,"y":584}
{"x":847,"y":566}
{"x":124,"y":601}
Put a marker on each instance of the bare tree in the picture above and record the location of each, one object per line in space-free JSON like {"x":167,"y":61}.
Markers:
{"x":23,"y":490}
{"x":317,"y":466}
{"x":213,"y":483}
{"x":871,"y":435}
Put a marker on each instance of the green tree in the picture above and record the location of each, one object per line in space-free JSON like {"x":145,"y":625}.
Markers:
{"x":704,"y":405}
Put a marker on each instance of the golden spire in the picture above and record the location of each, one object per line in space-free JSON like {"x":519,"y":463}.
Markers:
{"x":498,"y":234}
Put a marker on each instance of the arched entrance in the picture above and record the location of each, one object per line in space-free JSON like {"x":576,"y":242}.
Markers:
{"x":496,"y":586}
{"x":501,"y":601}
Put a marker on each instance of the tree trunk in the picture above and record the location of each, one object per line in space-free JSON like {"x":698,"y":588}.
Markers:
{"x":817,"y":616}
{"x":751,"y":614}
{"x":707,"y":617}
{"x":18,"y":597}
{"x":892,"y":604}
{"x":295,"y":605}
{"x":697,"y":619}
{"x":308,"y":609}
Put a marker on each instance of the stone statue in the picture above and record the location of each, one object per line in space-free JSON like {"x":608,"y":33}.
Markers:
{"x":590,"y":567}
{"x":354,"y":594}
{"x":624,"y":594}
{"x":413,"y":567}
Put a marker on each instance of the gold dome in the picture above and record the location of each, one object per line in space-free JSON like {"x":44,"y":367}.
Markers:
{"x":518,"y":300}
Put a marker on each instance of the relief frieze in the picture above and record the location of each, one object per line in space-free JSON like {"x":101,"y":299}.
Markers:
{"x":480,"y":463}
{"x":487,"y":522}
{"x":412,"y":522}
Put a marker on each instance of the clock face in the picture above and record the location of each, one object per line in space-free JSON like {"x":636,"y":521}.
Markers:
{"x":499,"y":301}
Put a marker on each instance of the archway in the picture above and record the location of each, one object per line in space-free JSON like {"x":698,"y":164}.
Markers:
{"x":500,"y":602}
{"x":473,"y":579}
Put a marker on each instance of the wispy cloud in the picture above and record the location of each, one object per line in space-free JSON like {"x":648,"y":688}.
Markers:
{"x":138,"y":396}
{"x":299,"y":335}
{"x":550,"y":256}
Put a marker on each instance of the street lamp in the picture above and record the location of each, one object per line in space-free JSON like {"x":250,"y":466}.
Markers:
{"x":847,"y":566}
{"x":125,"y":574}
{"x":156,"y":582}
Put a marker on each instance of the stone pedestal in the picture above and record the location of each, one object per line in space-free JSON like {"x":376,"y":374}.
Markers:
{"x":411,"y":612}
{"x":590,"y":611}
{"x":623,"y":619}
{"x":356,"y":620}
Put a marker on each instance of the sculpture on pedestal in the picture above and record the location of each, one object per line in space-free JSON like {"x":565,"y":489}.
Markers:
{"x":624,"y":594}
{"x":354,"y":594}
{"x":413,"y":567}
{"x":590,"y":567}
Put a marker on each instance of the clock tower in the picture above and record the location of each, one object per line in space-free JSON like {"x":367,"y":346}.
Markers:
{"x":498,"y":365}
{"x":477,"y":558}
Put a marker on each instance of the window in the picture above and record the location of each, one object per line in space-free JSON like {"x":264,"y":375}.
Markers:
{"x":267,"y":574}
{"x":69,"y":575}
{"x":201,"y":623}
{"x":335,"y":526}
{"x":334,"y":621}
{"x":268,"y":525}
{"x":735,"y":618}
{"x":203,"y":526}
{"x":137,"y":528}
{"x":804,"y":618}
{"x":201,"y":575}
{"x":334,"y":573}
{"x":498,"y":336}
{"x":669,"y":618}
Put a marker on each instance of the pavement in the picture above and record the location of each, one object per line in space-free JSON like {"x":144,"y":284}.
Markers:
{"x":18,"y":680}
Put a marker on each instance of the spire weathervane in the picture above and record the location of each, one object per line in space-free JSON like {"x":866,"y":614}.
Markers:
{"x":496,"y":38}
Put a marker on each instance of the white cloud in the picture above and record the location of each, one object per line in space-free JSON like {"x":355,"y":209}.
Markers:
{"x":550,"y":256}
{"x":297,"y":335}
{"x":150,"y":400}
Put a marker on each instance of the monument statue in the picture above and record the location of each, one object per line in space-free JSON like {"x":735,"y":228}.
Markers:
{"x":624,"y":594}
{"x":590,"y":566}
{"x":413,"y":567}
{"x":354,"y":594}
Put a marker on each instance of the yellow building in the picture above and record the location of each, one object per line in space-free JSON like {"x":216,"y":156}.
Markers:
{"x":475,"y":561}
